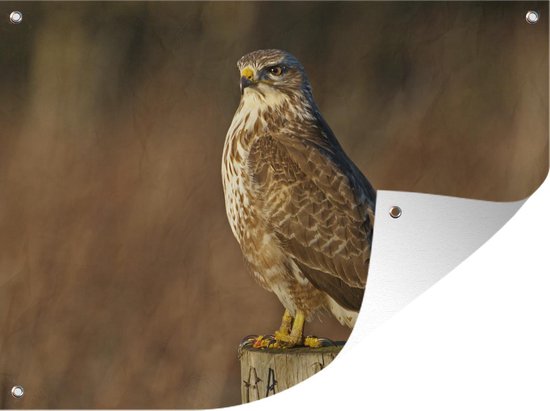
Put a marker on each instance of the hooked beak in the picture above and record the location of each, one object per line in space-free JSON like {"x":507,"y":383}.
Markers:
{"x":245,"y":82}
{"x":247,"y":78}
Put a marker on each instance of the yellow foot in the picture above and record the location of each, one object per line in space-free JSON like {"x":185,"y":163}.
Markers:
{"x":281,"y":341}
{"x":316,"y":342}
{"x":287,"y":340}
{"x":312,"y":342}
{"x":259,"y":342}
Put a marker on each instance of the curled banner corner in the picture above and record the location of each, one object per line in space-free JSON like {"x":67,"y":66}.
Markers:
{"x":418,"y":245}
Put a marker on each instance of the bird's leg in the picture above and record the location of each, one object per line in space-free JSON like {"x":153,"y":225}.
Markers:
{"x":298,"y":328}
{"x":290,"y":334}
{"x":295,"y":336}
{"x":286,"y":325}
{"x":272,"y":341}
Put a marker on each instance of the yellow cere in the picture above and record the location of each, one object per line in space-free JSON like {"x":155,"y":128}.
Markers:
{"x":248,"y":73}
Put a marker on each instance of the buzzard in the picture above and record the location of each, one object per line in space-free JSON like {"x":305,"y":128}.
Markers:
{"x":300,"y":209}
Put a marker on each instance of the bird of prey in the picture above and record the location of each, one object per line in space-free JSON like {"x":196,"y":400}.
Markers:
{"x":300,"y":209}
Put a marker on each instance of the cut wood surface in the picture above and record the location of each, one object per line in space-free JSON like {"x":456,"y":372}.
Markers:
{"x":266,"y":372}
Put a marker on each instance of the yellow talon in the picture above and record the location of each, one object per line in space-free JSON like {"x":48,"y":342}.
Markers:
{"x":312,"y":342}
{"x":264,"y":341}
{"x":289,"y":335}
{"x":293,"y":336}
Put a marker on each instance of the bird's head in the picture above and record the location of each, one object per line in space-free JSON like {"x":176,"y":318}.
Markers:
{"x":272,"y":71}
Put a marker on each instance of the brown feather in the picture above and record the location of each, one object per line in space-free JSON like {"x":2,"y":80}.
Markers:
{"x":301,"y":211}
{"x":342,"y":218}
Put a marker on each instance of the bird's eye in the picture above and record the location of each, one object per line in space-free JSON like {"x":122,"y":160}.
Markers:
{"x":276,"y":70}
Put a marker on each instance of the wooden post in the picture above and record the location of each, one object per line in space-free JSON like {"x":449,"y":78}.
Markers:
{"x":265,"y":372}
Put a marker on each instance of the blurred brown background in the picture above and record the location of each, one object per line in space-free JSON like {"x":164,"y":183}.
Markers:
{"x":121,"y":285}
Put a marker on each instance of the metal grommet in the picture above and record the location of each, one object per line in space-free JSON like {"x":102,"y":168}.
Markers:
{"x":16,"y":17}
{"x":395,"y":212}
{"x":17,"y":391}
{"x":532,"y":17}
